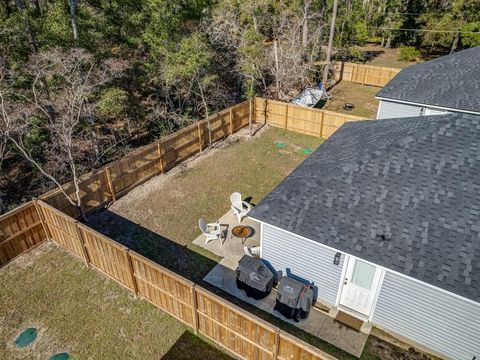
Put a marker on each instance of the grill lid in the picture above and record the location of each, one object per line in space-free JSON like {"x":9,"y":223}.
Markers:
{"x":254,"y":273}
{"x":289,"y":291}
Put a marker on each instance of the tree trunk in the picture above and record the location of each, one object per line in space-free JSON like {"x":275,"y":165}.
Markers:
{"x":455,"y":43}
{"x":305,"y":25}
{"x":277,"y":74}
{"x":330,"y":43}
{"x":36,"y":4}
{"x":389,"y":42}
{"x":28,"y":28}
{"x":382,"y":43}
{"x":73,"y":18}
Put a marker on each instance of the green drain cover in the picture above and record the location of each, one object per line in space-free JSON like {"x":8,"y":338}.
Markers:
{"x":279,"y":145}
{"x":27,"y":337}
{"x":60,"y":356}
{"x":307,"y":151}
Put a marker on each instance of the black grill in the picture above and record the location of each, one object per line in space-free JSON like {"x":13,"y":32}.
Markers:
{"x":294,"y":299}
{"x":254,"y":277}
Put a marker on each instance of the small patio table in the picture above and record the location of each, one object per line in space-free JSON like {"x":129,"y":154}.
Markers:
{"x":242,"y":232}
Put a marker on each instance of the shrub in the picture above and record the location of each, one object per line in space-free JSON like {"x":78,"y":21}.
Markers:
{"x":356,"y":53}
{"x":112,"y":102}
{"x":408,"y":53}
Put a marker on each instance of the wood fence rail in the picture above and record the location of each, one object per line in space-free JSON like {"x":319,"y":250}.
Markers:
{"x":364,"y":74}
{"x":238,"y":331}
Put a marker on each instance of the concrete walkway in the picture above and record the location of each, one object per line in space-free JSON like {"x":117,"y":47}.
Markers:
{"x":319,"y":323}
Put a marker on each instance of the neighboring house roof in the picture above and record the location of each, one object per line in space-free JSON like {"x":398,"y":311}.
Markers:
{"x":402,"y":193}
{"x":451,"y":81}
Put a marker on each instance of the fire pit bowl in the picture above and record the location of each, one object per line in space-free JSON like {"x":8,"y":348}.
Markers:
{"x":242,"y":231}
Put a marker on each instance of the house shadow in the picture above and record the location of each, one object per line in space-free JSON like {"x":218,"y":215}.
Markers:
{"x":191,"y":347}
{"x":183,"y":260}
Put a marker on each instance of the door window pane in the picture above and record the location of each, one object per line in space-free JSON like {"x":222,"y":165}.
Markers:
{"x":363,"y":274}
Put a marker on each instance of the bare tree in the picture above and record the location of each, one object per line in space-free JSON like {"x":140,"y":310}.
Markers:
{"x":74,"y":76}
{"x":73,"y":17}
{"x":330,"y":42}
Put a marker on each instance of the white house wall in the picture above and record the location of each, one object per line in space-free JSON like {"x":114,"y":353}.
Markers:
{"x":390,"y":109}
{"x":429,"y":316}
{"x":306,"y":259}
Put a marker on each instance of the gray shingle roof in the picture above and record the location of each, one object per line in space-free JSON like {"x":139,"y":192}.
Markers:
{"x":451,"y":81}
{"x":401,"y":193}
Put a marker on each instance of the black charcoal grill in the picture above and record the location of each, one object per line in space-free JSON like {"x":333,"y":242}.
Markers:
{"x":294,"y":299}
{"x":254,"y":277}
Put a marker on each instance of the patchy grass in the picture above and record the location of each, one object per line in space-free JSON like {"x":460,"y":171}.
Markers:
{"x":79,"y":311}
{"x":361,"y":96}
{"x":160,"y":218}
{"x":388,"y":57}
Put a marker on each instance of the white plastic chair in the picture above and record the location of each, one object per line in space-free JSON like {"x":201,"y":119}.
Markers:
{"x":252,"y":251}
{"x":240,"y":208}
{"x":212,"y":231}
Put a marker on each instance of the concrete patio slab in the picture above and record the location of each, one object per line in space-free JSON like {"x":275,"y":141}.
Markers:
{"x":231,"y":247}
{"x":319,"y":323}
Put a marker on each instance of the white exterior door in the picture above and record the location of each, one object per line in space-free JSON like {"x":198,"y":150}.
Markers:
{"x":360,"y":286}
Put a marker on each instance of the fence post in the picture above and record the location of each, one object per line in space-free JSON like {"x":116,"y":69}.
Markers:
{"x":194,"y":309}
{"x":160,"y":156}
{"x":110,"y":184}
{"x":276,"y":345}
{"x":251,"y":109}
{"x":321,"y":123}
{"x":82,"y":243}
{"x":39,"y":211}
{"x":209,"y":133}
{"x":265,"y":109}
{"x":200,"y":140}
{"x":130,"y":271}
{"x":364,"y":74}
{"x":286,"y":116}
{"x":231,"y":121}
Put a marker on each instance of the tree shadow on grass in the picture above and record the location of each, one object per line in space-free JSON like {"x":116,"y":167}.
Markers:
{"x":191,"y":262}
{"x":191,"y":347}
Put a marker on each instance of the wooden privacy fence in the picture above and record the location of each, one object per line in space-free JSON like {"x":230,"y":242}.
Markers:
{"x":364,"y":74}
{"x":315,"y":122}
{"x":20,"y":230}
{"x":119,"y":177}
{"x":233,"y":328}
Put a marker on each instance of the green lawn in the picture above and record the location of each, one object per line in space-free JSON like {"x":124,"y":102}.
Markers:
{"x":160,"y":218}
{"x":361,"y":96}
{"x":79,"y":311}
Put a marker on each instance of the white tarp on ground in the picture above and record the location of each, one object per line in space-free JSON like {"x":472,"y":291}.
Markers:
{"x":311,"y":96}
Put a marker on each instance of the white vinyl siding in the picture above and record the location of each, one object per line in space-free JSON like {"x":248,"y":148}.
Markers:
{"x":436,"y":319}
{"x":390,"y":109}
{"x":306,"y":259}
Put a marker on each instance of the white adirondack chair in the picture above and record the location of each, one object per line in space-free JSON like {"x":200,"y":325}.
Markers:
{"x":240,"y":208}
{"x":212,"y":231}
